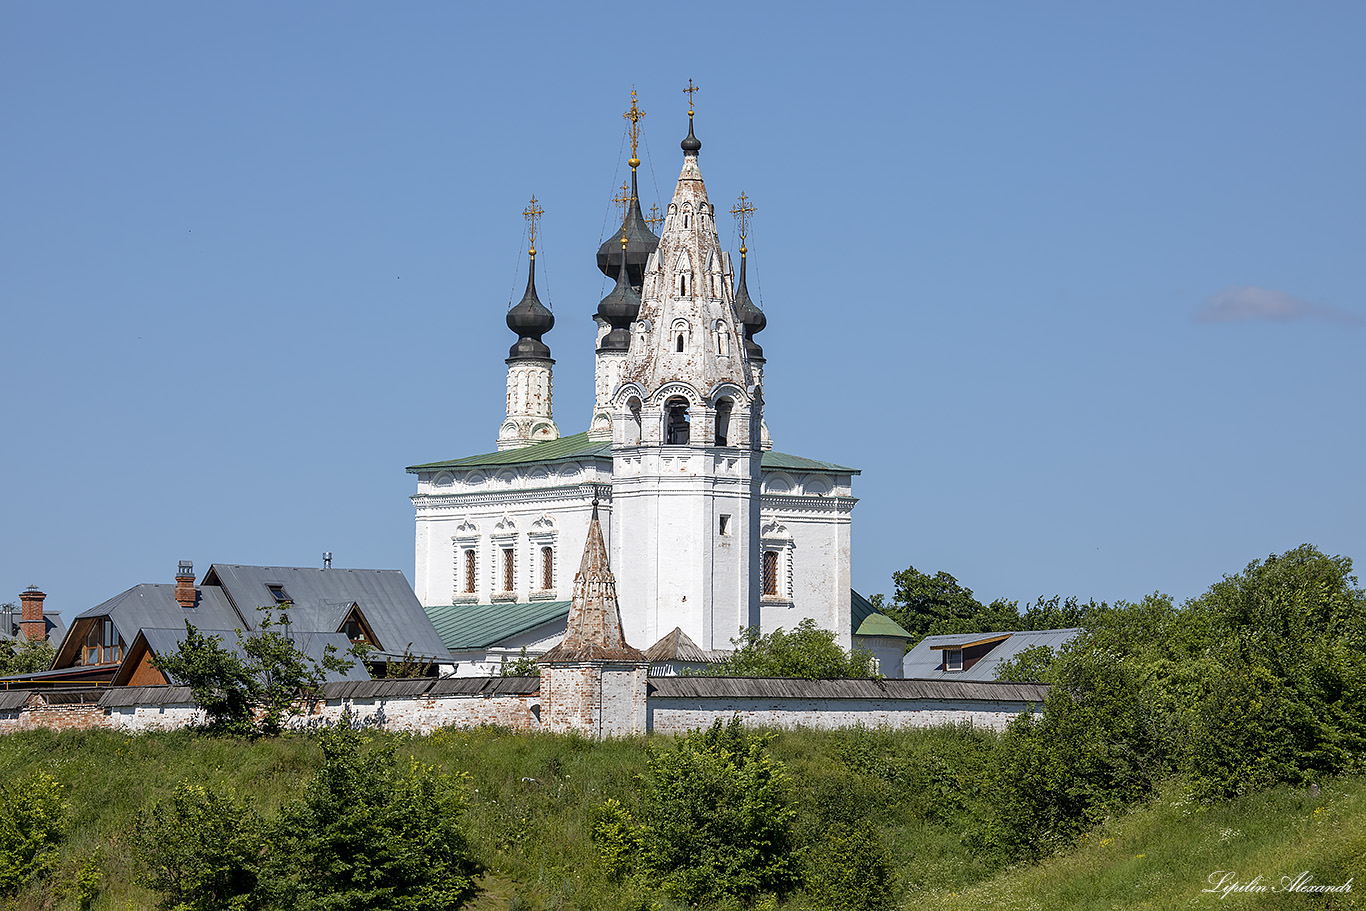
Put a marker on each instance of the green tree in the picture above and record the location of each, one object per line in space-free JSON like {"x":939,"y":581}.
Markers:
{"x":934,"y":605}
{"x":374,"y":832}
{"x":203,"y":851}
{"x":808,"y":652}
{"x":717,"y":819}
{"x":522,"y":667}
{"x":255,"y":686}
{"x":25,"y":657}
{"x":33,"y":822}
{"x":1030,"y":664}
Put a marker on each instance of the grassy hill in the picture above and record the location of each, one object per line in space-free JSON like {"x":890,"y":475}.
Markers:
{"x":531,"y":798}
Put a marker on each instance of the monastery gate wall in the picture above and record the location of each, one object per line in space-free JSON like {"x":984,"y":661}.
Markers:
{"x":671,"y":705}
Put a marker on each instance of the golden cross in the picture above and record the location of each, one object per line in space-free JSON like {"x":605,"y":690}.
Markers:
{"x":623,"y":199}
{"x":689,"y":92}
{"x":654,"y":219}
{"x":532,"y":213}
{"x":635,"y":115}
{"x":742,"y":210}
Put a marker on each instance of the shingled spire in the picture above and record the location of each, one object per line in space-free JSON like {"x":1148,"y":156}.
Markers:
{"x":594,"y":632}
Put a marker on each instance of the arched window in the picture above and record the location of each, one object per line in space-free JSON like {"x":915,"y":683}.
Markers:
{"x":677,"y":429}
{"x":685,"y":218}
{"x":682,"y":285}
{"x":547,"y":567}
{"x":723,"y":409}
{"x":770,"y":572}
{"x":469,"y":570}
{"x":679,"y":346}
{"x":509,"y":569}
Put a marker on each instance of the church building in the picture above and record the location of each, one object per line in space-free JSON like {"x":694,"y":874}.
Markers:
{"x":709,"y":530}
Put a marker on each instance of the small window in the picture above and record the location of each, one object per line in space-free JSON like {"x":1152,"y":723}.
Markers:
{"x":722,"y":421}
{"x":725,"y":526}
{"x":469,"y":571}
{"x":685,"y":219}
{"x":678,"y":428}
{"x":770,"y":572}
{"x":277,"y":592}
{"x":547,"y":568}
{"x":682,"y":288}
{"x":953,"y":659}
{"x":509,"y":569}
{"x":679,"y":347}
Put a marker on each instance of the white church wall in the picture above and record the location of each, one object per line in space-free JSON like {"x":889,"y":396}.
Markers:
{"x":678,"y":716}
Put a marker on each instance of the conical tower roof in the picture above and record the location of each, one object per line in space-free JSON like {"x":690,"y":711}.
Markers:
{"x":593,"y":632}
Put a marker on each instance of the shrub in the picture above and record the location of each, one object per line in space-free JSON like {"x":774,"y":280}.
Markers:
{"x":808,"y":652}
{"x":616,"y":838}
{"x":717,"y":820}
{"x":32,"y":824}
{"x":850,"y":870}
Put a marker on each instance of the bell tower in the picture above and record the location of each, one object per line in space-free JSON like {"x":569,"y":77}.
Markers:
{"x":530,"y":418}
{"x":686,"y":433}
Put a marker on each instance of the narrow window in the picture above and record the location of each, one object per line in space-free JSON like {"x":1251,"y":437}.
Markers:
{"x":469,"y":571}
{"x":547,"y":568}
{"x":509,"y":566}
{"x":680,"y":342}
{"x":770,"y":572}
{"x":953,"y":659}
{"x":685,"y":219}
{"x":277,"y":592}
{"x":682,"y":285}
{"x":725,"y":525}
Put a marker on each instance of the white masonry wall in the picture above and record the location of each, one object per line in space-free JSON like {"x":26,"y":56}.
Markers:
{"x":677,"y":716}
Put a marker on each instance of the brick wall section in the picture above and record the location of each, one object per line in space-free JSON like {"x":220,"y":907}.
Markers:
{"x":31,"y":620}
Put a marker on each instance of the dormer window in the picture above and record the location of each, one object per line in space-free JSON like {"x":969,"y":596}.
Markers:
{"x":953,"y":659}
{"x":277,"y":591}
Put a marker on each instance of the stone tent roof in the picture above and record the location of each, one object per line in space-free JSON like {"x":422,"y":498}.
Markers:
{"x":593,"y":632}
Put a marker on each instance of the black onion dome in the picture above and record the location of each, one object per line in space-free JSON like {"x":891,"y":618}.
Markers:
{"x":640,"y":243}
{"x":530,"y":320}
{"x":691,"y":144}
{"x":619,"y":308}
{"x":751,"y":317}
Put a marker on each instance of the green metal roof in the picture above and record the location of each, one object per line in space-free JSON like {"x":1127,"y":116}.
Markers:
{"x":867,"y":620}
{"x":782,"y":460}
{"x":578,"y":446}
{"x":564,"y":449}
{"x":482,"y":625}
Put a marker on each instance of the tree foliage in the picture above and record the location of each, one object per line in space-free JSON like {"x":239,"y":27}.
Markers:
{"x":369,"y":832}
{"x":254,"y":687}
{"x":808,"y":652}
{"x":33,"y":822}
{"x":27,"y":656}
{"x":716,"y":818}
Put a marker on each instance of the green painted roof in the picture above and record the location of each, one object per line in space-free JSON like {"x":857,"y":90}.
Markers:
{"x":782,"y":460}
{"x":867,"y":620}
{"x":578,"y":446}
{"x":564,"y":449}
{"x":482,"y":625}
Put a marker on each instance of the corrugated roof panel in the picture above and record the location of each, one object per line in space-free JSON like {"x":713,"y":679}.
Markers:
{"x":926,"y":662}
{"x":789,"y":688}
{"x":482,"y":625}
{"x":567,"y":448}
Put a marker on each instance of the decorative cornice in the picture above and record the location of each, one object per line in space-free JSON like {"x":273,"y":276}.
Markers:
{"x":459,"y":502}
{"x":813,"y":504}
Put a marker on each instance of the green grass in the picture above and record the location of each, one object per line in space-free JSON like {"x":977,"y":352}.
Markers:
{"x":531,"y":796}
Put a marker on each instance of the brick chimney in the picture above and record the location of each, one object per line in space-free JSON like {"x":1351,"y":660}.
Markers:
{"x":184,"y":584}
{"x":31,"y":619}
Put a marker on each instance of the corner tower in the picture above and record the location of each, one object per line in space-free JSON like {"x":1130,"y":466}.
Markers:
{"x":530,"y":413}
{"x":685,"y":438}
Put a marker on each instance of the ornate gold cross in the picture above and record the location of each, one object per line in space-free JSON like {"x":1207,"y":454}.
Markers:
{"x":655,"y":218}
{"x":689,"y":92}
{"x":623,"y":199}
{"x":532,"y":213}
{"x":635,"y":115}
{"x":742,"y":210}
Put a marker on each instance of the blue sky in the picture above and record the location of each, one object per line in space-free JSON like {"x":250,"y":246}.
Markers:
{"x":1078,"y":287}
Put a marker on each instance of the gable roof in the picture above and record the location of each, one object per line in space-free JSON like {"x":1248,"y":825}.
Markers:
{"x":867,"y":620}
{"x":924,"y":662}
{"x":312,"y":645}
{"x":463,"y":626}
{"x":321,"y":598}
{"x":578,"y":447}
{"x":678,"y":646}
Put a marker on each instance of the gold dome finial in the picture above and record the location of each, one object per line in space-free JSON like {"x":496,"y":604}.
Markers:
{"x":689,"y":91}
{"x":655,"y":218}
{"x":742,"y":210}
{"x":623,"y":199}
{"x":635,"y":115}
{"x":532,"y":213}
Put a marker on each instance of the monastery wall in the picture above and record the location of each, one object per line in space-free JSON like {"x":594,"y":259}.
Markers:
{"x":620,"y":702}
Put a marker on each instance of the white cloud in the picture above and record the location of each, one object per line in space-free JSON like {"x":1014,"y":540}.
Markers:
{"x":1236,"y":304}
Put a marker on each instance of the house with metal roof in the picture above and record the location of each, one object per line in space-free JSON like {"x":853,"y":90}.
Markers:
{"x":319,"y":609}
{"x":976,"y":656}
{"x":710,"y":530}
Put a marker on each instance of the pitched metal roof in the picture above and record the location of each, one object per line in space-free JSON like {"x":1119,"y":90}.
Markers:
{"x":578,"y":446}
{"x":11,"y":700}
{"x":867,"y":620}
{"x":319,"y":599}
{"x":791,"y":688}
{"x":119,"y":696}
{"x":311,"y":644}
{"x":154,"y":605}
{"x":464,"y":626}
{"x":926,"y":659}
{"x":678,"y":646}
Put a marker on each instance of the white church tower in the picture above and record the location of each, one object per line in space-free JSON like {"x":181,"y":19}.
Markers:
{"x":530,"y":417}
{"x":686,"y":438}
